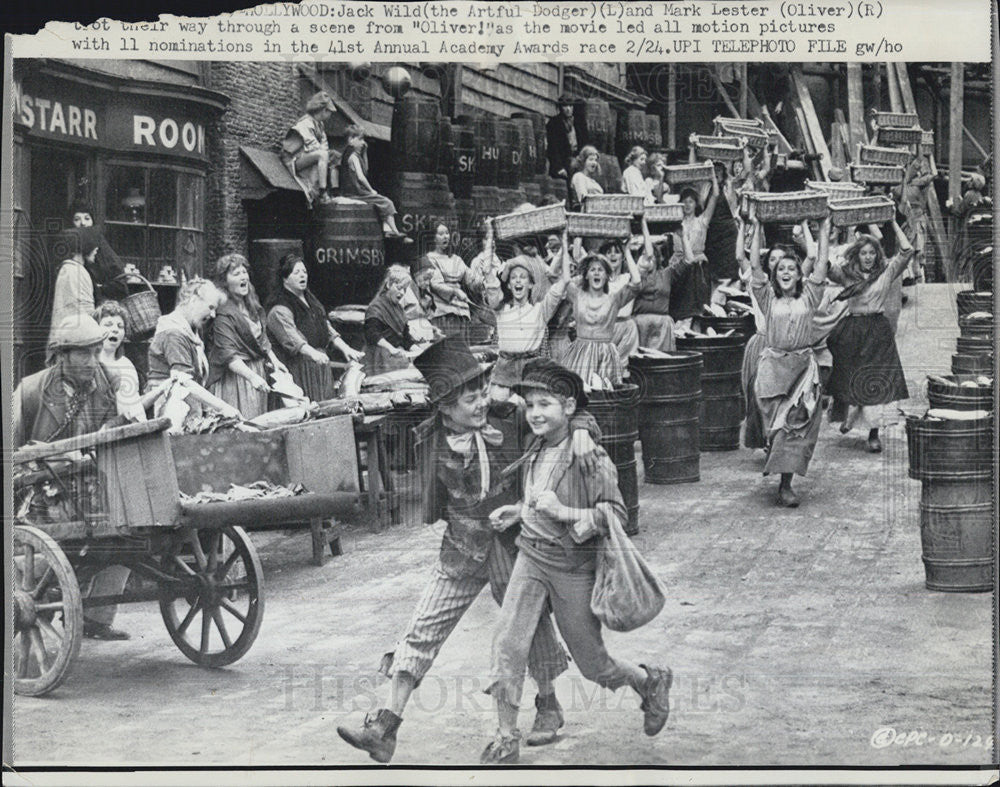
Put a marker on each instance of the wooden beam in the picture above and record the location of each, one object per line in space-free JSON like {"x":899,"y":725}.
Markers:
{"x":905,"y":89}
{"x":812,"y":122}
{"x":671,"y":106}
{"x":770,"y":125}
{"x":743,"y":89}
{"x":895,"y":99}
{"x":938,"y":230}
{"x":975,"y":142}
{"x":855,"y":107}
{"x":956,"y":110}
{"x":722,"y":91}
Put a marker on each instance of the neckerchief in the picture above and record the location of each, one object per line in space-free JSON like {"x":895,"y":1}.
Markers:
{"x":77,"y":401}
{"x":473,"y":443}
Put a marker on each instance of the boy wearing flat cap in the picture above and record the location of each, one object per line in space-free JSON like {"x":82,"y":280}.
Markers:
{"x":306,"y":152}
{"x":563,"y":513}
{"x":464,"y":449}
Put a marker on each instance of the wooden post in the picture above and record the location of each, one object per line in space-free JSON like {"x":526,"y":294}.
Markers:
{"x":955,"y":124}
{"x":722,"y":91}
{"x":813,"y":128}
{"x":671,"y":106}
{"x":743,"y":89}
{"x":905,"y":89}
{"x":855,"y":106}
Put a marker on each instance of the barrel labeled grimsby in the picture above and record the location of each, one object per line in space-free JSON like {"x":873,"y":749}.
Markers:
{"x":669,"y":400}
{"x":722,"y":405}
{"x":346,"y":261}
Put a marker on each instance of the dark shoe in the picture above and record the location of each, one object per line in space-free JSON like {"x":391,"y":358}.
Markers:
{"x":874,"y":445}
{"x":377,"y":735}
{"x":656,"y":698}
{"x":787,"y":498}
{"x":908,"y":281}
{"x":548,"y":720}
{"x":103,"y":631}
{"x":502,"y":750}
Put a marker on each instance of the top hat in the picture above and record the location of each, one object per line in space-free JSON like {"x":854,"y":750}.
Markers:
{"x":448,"y":365}
{"x":544,"y":374}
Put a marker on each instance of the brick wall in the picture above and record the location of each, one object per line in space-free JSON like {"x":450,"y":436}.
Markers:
{"x":264,"y":102}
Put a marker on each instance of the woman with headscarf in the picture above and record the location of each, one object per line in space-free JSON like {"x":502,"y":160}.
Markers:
{"x":300,"y":331}
{"x":387,"y":331}
{"x":866,"y":367}
{"x":239,"y":350}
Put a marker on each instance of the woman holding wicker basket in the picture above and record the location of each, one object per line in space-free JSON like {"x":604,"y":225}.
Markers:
{"x":787,"y":384}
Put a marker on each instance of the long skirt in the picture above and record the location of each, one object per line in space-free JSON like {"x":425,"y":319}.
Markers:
{"x":793,"y":440}
{"x":509,"y":368}
{"x":588,"y":357}
{"x":625,"y":337}
{"x":238,"y":392}
{"x":655,"y":331}
{"x":866,"y":367}
{"x":315,"y":379}
{"x":753,"y":427}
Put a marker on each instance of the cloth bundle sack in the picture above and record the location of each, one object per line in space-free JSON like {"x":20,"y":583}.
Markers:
{"x":626,"y":594}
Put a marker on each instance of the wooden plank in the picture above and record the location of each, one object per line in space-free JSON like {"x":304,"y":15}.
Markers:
{"x":744,"y":99}
{"x":895,"y":99}
{"x":975,"y":142}
{"x":837,"y":156}
{"x":722,"y":91}
{"x":905,"y":89}
{"x":807,"y":141}
{"x":937,"y":229}
{"x":770,"y":125}
{"x":812,"y":122}
{"x":855,"y":107}
{"x":27,"y":453}
{"x":305,"y":442}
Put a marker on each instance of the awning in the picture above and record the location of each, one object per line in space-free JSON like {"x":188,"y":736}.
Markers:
{"x":262,"y":173}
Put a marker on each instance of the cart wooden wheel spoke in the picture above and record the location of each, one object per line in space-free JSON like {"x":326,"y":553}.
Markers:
{"x":48,"y":613}
{"x":212,"y":571}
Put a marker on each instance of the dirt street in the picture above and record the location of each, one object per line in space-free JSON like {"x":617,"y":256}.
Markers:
{"x":796,"y":637}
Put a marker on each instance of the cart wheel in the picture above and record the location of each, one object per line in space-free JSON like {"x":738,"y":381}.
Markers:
{"x":48,"y":613}
{"x":219,"y":575}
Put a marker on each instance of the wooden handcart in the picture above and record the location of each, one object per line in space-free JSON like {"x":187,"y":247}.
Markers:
{"x":111,"y":498}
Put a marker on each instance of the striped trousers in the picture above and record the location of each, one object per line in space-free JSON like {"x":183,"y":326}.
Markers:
{"x":444,"y":602}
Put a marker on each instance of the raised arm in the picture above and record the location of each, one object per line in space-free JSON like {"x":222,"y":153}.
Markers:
{"x":741,"y":247}
{"x":822,"y":266}
{"x":755,"y":241}
{"x":903,"y":254}
{"x":713,"y":197}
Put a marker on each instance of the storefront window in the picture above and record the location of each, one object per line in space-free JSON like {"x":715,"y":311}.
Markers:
{"x":155,"y":217}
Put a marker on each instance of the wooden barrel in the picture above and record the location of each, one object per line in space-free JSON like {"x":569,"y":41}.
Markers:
{"x":954,"y":461}
{"x":508,"y":143}
{"x":265,"y":253}
{"x":463,"y":171}
{"x":446,"y":147}
{"x":538,"y":122}
{"x":744,"y":324}
{"x":669,"y":396}
{"x":527,"y":145}
{"x":958,"y":396}
{"x":422,"y":202}
{"x":415,"y":130}
{"x":982,"y":271}
{"x":346,"y":261}
{"x":974,"y":345}
{"x":977,"y":327}
{"x":970,"y":301}
{"x":486,"y":200}
{"x":722,"y":405}
{"x":967,"y":363}
{"x":593,"y":117}
{"x":610,"y":176}
{"x":511,"y":198}
{"x":532,"y":191}
{"x":631,"y":131}
{"x":487,"y":154}
{"x":349,"y":320}
{"x":654,"y":137}
{"x":616,"y":413}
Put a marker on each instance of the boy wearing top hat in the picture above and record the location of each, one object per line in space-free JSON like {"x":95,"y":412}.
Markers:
{"x":464,"y":449}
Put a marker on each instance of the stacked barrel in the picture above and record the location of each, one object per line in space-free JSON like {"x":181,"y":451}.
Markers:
{"x":422,"y":158}
{"x":976,"y":324}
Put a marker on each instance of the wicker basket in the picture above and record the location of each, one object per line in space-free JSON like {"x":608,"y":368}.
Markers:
{"x":891,"y":135}
{"x":897,"y":119}
{"x":664,"y":213}
{"x":530,"y":222}
{"x":738,"y":123}
{"x":789,"y":206}
{"x":614,"y":204}
{"x":875,"y":155}
{"x":688,"y":173}
{"x":595,"y":225}
{"x":837,"y":191}
{"x":862,"y":210}
{"x":718,"y":148}
{"x":876,"y":173}
{"x":142,"y":309}
{"x":752,"y":130}
{"x":927,"y":143}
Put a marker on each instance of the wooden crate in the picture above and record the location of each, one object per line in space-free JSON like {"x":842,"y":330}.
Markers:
{"x":836,"y":191}
{"x":140,"y":483}
{"x":594,"y":225}
{"x":876,"y":173}
{"x":789,"y":206}
{"x":551,"y":218}
{"x":863,"y":210}
{"x":688,"y":173}
{"x":664,"y":213}
{"x":614,"y":204}
{"x":871,"y":154}
{"x":889,"y":135}
{"x":897,"y":119}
